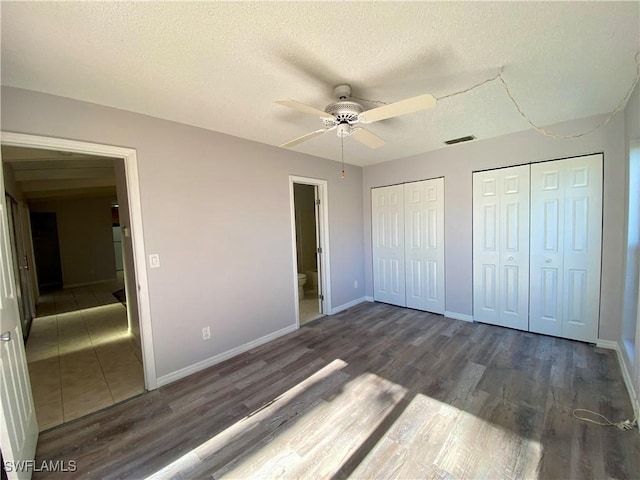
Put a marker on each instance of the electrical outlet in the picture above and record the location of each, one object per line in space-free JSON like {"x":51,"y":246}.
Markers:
{"x":355,"y":284}
{"x":206,"y":333}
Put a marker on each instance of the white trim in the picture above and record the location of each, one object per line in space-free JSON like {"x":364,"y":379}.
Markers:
{"x":325,"y":274}
{"x":221,"y":357}
{"x":612,"y":345}
{"x":135,"y":211}
{"x":459,"y":316}
{"x":352,"y":303}
{"x":369,"y":299}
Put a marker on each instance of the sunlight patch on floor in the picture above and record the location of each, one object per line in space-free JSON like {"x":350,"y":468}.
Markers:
{"x":349,"y":428}
{"x":245,"y":426}
{"x":457,"y":442}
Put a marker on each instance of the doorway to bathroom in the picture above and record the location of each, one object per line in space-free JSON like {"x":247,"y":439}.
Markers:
{"x":309,"y":235}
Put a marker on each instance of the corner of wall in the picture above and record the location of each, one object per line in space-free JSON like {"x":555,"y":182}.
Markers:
{"x":634,"y":396}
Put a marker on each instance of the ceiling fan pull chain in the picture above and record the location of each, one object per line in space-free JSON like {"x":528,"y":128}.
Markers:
{"x":342,"y":155}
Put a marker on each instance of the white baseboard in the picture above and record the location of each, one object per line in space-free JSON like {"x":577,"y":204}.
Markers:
{"x":459,"y":316}
{"x":369,"y":299}
{"x":353,"y":303}
{"x":87,"y":284}
{"x":633,"y":396}
{"x":196,"y":367}
{"x":608,"y":344}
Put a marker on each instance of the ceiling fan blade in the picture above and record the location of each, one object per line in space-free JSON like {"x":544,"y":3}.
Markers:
{"x":301,"y":107}
{"x":367,"y":138}
{"x":304,"y":138}
{"x":408,"y":105}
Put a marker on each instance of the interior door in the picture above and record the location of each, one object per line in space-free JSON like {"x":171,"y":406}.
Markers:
{"x":501,"y":247}
{"x":387,"y":224}
{"x":566,"y":224}
{"x":21,"y":265}
{"x":18,"y":425}
{"x":319,"y":252}
{"x":424,"y":244}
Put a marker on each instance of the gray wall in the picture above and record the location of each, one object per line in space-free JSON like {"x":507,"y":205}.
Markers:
{"x":85,"y":236}
{"x":456,"y":165}
{"x":217,"y":210}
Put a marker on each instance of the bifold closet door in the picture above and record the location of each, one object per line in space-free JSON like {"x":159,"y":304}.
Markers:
{"x":566,"y":236}
{"x":387,"y":225}
{"x":501,"y":247}
{"x":424,"y":244}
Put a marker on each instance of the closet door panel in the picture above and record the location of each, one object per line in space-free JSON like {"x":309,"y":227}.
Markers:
{"x":582,"y":247}
{"x":387,"y":223}
{"x":514,"y":248}
{"x":424,"y":221}
{"x":547,"y":248}
{"x":501,"y":247}
{"x":486,"y":255}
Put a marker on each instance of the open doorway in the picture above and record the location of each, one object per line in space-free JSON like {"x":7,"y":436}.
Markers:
{"x":309,"y":234}
{"x":84,"y":348}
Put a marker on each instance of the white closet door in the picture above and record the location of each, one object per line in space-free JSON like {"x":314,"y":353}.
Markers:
{"x":424,"y":244}
{"x":387,"y":224}
{"x":501,"y":247}
{"x":547,"y":248}
{"x":566,"y":225}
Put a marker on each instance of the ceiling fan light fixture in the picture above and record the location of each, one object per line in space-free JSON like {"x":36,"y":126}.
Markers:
{"x":344,"y":130}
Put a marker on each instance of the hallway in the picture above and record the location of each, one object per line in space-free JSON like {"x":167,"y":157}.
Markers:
{"x":80,"y":354}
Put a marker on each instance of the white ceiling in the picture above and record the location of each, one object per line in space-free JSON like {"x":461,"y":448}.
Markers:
{"x":221,"y":65}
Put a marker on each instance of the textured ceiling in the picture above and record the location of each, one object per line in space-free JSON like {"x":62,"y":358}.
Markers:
{"x":221,"y":65}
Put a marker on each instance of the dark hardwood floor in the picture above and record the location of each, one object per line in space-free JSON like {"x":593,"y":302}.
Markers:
{"x":374,"y":392}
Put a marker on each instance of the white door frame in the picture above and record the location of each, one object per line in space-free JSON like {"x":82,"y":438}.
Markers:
{"x":135,"y":211}
{"x":324,"y":240}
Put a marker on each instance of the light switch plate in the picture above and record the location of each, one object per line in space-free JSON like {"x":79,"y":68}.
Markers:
{"x":154,"y":260}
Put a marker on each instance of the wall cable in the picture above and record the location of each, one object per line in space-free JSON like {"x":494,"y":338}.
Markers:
{"x":369,"y":101}
{"x":499,"y":76}
{"x":542,"y":130}
{"x":624,"y":425}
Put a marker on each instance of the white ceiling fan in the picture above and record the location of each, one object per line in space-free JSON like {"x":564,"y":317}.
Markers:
{"x":345,"y":116}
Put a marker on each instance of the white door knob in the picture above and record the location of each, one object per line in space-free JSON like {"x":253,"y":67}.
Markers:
{"x":548,"y":260}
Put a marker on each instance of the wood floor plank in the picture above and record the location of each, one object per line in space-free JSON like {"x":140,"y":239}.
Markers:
{"x":376,"y":391}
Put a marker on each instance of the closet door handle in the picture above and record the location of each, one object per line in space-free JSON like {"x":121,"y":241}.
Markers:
{"x":510,"y":258}
{"x":548,"y":260}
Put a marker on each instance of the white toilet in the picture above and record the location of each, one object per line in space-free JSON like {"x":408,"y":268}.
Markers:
{"x":312,"y":280}
{"x":302,"y":279}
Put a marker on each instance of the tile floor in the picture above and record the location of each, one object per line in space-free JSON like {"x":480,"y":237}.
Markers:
{"x":309,"y":309}
{"x":81,"y":357}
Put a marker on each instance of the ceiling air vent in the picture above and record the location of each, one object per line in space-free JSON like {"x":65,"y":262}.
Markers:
{"x":460,"y":140}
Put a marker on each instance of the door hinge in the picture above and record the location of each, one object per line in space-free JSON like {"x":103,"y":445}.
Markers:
{"x":319,"y":250}
{"x":317,"y":201}
{"x":321,"y":297}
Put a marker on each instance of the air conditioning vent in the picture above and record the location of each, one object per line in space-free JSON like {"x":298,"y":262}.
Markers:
{"x":468,"y":138}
